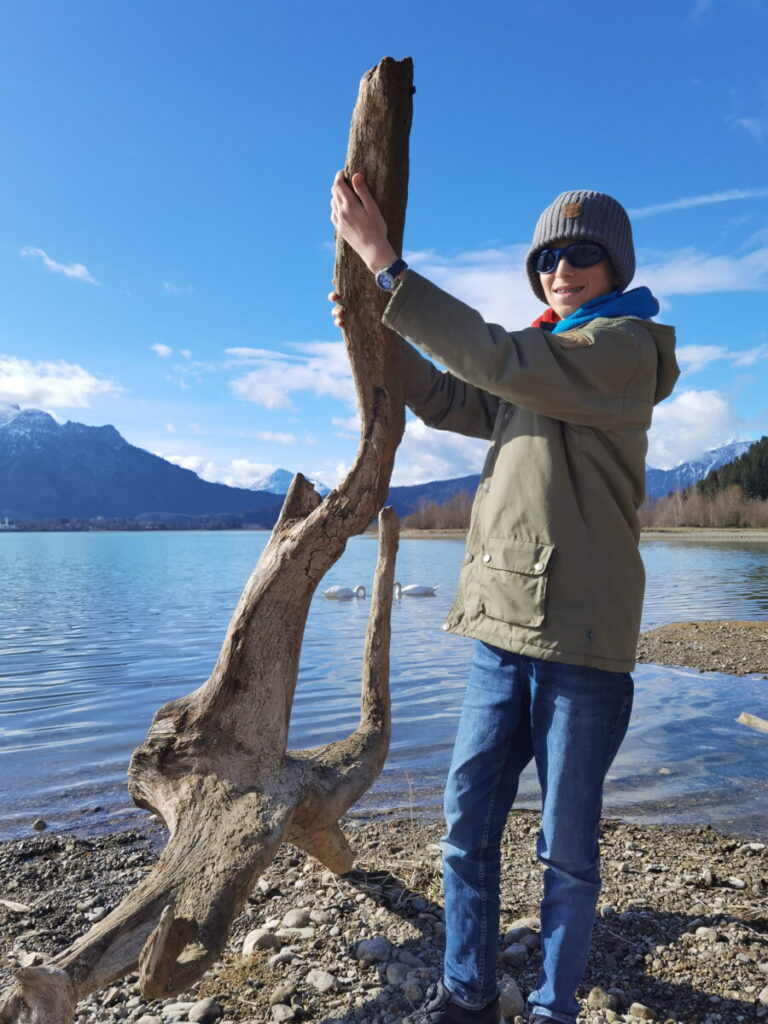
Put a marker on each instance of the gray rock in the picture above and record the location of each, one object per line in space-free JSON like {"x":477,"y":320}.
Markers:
{"x":641,"y":1011}
{"x":511,"y":1000}
{"x":598,"y":999}
{"x":413,"y":992}
{"x":763,"y":997}
{"x":281,"y":1012}
{"x":285,"y":956}
{"x":406,"y":957}
{"x":737,"y":883}
{"x":531,"y":941}
{"x":515,"y":955}
{"x":205,"y":1011}
{"x":282,"y":993}
{"x":531,"y":923}
{"x":260,"y":938}
{"x":320,"y":916}
{"x":516,"y":934}
{"x":321,"y":981}
{"x":306,"y":934}
{"x":373,"y":950}
{"x":39,"y":825}
{"x":150,"y":1018}
{"x":397,"y":973}
{"x":296,"y":918}
{"x":706,"y":934}
{"x":31,"y":959}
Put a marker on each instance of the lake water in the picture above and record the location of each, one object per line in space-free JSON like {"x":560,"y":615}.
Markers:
{"x":98,"y":630}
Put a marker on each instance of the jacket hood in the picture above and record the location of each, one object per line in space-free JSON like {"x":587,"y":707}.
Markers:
{"x":668,"y":370}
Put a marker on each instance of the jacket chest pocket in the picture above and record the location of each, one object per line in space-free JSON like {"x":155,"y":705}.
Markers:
{"x":513,"y":580}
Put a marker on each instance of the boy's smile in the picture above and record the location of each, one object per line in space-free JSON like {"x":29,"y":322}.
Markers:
{"x":567,"y":288}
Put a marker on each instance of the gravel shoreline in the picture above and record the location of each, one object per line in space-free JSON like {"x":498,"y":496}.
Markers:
{"x":735,"y":648}
{"x":681,"y":933}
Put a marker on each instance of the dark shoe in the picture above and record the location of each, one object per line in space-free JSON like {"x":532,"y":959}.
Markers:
{"x":439,"y":1008}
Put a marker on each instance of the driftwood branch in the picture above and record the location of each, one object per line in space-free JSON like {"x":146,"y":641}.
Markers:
{"x":214,"y":764}
{"x":753,"y":721}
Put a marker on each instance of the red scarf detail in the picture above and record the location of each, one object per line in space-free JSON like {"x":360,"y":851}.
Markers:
{"x":549,"y":316}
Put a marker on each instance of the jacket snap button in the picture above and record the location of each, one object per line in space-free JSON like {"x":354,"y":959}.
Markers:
{"x":486,"y":558}
{"x":445,"y":626}
{"x":469,"y":557}
{"x":538,"y":567}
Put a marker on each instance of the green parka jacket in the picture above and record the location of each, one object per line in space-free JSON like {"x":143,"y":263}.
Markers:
{"x":552,"y":568}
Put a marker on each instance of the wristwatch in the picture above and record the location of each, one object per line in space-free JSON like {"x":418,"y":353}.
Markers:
{"x":386,"y":279}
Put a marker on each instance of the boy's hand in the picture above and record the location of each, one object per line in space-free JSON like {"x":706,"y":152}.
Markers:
{"x":358,"y":220}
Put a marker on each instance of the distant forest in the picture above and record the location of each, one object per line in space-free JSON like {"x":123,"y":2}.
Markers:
{"x":733,"y":495}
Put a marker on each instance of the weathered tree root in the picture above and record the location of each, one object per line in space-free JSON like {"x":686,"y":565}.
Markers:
{"x":214,"y":764}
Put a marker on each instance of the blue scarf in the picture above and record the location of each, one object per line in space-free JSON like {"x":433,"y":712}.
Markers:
{"x":639,"y":302}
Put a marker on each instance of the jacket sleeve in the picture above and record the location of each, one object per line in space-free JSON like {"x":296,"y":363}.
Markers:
{"x":601,"y":375}
{"x":444,"y":401}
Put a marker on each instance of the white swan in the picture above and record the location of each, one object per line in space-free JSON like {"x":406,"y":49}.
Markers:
{"x":344,"y":593}
{"x":413,"y":590}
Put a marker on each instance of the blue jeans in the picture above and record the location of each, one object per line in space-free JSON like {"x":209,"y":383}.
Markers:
{"x":572,"y":720}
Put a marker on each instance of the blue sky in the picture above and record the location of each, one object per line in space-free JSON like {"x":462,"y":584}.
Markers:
{"x":165,"y":249}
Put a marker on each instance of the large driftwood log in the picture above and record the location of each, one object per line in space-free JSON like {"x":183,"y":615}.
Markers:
{"x":214,"y":764}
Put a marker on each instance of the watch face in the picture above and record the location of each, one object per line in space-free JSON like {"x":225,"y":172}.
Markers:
{"x":385,"y":281}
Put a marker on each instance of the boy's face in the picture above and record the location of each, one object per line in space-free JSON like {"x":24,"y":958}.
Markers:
{"x":567,"y":288}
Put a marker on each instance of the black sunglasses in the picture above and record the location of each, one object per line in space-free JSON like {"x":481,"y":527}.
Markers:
{"x":579,"y":254}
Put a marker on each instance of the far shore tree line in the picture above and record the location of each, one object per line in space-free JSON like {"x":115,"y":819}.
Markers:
{"x":735,"y":495}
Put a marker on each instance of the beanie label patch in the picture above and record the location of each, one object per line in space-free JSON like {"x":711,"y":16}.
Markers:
{"x":571,"y":210}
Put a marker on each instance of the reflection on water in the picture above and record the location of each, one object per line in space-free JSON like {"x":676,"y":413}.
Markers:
{"x":98,"y":630}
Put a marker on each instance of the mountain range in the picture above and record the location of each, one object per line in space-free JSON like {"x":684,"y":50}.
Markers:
{"x":55,"y":471}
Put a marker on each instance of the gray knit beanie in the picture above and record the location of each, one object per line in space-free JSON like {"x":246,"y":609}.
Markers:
{"x":593,"y":217}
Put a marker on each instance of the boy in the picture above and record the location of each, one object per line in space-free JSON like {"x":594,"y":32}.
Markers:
{"x":552,"y":583}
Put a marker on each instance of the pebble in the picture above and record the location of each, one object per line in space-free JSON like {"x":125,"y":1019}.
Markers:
{"x":260,"y":938}
{"x":641,"y":1012}
{"x":321,"y":981}
{"x":205,"y":1011}
{"x":515,"y":955}
{"x":511,"y":1000}
{"x":281,"y":1012}
{"x":373,"y":950}
{"x":296,"y":918}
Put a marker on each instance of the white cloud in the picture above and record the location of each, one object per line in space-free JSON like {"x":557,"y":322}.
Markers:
{"x":757,"y":127}
{"x":344,"y":427}
{"x":49,"y":384}
{"x":77,"y":271}
{"x":493,"y":281}
{"x":690,"y":272}
{"x":170,"y":428}
{"x":690,"y":423}
{"x":186,"y":353}
{"x":275,"y":437}
{"x":176,"y":289}
{"x":164,"y":351}
{"x":204,"y":468}
{"x":320,"y":367}
{"x":426,"y":454}
{"x":694,"y":358}
{"x":688,"y":202}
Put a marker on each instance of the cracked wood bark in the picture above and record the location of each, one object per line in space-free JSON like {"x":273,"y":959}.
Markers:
{"x":214,"y":764}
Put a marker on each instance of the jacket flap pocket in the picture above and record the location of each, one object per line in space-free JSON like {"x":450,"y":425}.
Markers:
{"x":524,"y":556}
